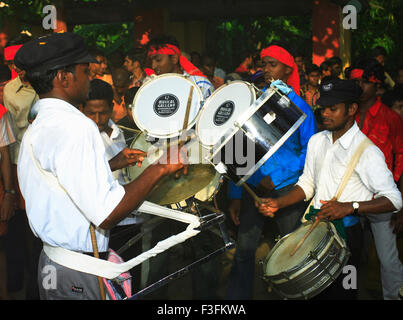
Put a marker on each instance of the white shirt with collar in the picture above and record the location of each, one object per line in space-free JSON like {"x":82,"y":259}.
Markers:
{"x":113,"y":145}
{"x":326,"y":163}
{"x":68,"y":145}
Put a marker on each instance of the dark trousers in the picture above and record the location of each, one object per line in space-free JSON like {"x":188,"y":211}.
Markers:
{"x":240,"y":281}
{"x":336,"y":290}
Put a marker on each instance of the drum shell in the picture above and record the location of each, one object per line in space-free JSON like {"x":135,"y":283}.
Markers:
{"x":315,"y":273}
{"x":261,"y":131}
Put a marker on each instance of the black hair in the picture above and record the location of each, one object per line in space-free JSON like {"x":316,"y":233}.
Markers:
{"x":161,"y":40}
{"x":5,"y":73}
{"x":130,"y":94}
{"x":324,"y":66}
{"x":42,"y":82}
{"x":333,"y":61}
{"x":312,"y":68}
{"x":377,"y":51}
{"x":101,"y":90}
{"x":137,"y":54}
{"x":371,"y":68}
{"x":96,"y":53}
{"x":390,"y":97}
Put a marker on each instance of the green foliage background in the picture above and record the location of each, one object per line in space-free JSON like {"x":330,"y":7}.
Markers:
{"x":227,"y":38}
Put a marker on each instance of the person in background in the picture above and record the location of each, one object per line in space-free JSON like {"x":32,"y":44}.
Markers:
{"x":134,"y":64}
{"x":325,"y":70}
{"x":384,"y":128}
{"x":121,"y":83}
{"x":208,"y":66}
{"x":300,"y":61}
{"x":127,"y":122}
{"x":99,"y":69}
{"x":7,"y":198}
{"x":336,"y":66}
{"x":379,"y":54}
{"x":310,"y":90}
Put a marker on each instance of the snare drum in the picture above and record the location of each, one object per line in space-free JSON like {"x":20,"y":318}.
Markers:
{"x":313,"y":267}
{"x":160,"y":104}
{"x":258,"y":132}
{"x":222,"y":109}
{"x":170,"y":190}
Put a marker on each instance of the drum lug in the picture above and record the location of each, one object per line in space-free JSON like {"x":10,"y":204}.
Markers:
{"x":277,"y":239}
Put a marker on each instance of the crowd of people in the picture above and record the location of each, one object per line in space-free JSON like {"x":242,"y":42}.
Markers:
{"x":53,"y":92}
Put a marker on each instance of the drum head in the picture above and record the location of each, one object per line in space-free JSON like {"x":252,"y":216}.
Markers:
{"x":222,"y":109}
{"x":160,"y":104}
{"x":280,"y":260}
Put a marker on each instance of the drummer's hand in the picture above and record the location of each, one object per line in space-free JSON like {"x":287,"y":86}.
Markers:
{"x":333,"y":210}
{"x":235,"y":210}
{"x":280,"y":85}
{"x":174,"y":159}
{"x":268,"y":207}
{"x":127,"y":157}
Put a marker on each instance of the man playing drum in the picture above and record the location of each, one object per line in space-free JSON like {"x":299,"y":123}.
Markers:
{"x":64,"y":175}
{"x":166,"y":57}
{"x":369,"y":190}
{"x":277,"y":175}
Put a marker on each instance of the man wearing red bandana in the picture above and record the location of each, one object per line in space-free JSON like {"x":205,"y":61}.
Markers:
{"x":166,"y":57}
{"x":384,"y":128}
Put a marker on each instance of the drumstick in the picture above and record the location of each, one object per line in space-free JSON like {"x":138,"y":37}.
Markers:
{"x":128,"y":129}
{"x":313,"y":226}
{"x":96,"y":255}
{"x":253,"y":194}
{"x":183,"y":138}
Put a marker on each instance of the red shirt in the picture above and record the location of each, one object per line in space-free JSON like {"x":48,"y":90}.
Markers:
{"x":384,"y":127}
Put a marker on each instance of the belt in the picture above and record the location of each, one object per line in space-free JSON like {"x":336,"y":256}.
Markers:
{"x":102,"y":255}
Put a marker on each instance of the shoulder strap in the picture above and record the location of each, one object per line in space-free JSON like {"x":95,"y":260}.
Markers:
{"x":350,"y":168}
{"x":351,"y":165}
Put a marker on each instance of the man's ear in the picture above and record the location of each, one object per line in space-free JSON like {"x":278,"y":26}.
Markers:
{"x":62,"y":78}
{"x":353,"y":108}
{"x":175,"y":59}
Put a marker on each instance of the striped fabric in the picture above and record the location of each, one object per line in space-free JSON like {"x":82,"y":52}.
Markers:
{"x":7,"y":136}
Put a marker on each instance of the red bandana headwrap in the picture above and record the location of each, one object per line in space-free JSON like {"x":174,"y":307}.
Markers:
{"x":286,"y":58}
{"x":170,"y":49}
{"x":358,"y":74}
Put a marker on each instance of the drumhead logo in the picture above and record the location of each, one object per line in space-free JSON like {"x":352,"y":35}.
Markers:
{"x":223,"y":113}
{"x":166,"y":105}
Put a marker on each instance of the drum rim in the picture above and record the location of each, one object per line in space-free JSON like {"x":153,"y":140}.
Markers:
{"x":268,"y":153}
{"x":215,"y":92}
{"x":320,"y":245}
{"x":154,"y":79}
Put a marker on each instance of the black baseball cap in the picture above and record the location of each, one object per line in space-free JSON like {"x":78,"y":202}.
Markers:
{"x":53,"y":52}
{"x":336,"y":91}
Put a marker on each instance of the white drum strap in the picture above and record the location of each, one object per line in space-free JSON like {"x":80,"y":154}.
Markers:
{"x":84,"y":263}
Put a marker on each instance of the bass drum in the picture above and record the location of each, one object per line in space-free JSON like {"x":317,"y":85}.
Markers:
{"x":170,"y":189}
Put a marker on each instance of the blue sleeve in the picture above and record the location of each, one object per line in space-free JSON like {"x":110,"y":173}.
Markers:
{"x":235,"y":192}
{"x":307,"y":129}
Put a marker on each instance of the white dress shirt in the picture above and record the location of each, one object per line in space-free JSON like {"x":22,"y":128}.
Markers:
{"x":68,"y":145}
{"x":326,"y":163}
{"x":113,"y":145}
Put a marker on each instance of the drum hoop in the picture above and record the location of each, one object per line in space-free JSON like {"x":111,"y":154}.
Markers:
{"x":323,"y":243}
{"x":230,"y":133}
{"x":215,"y":92}
{"x":155,"y":79}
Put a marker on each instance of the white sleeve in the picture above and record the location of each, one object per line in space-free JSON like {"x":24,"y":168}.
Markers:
{"x":306,"y":180}
{"x":376,"y":176}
